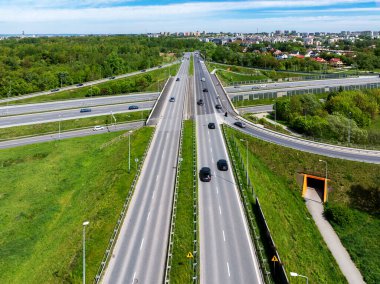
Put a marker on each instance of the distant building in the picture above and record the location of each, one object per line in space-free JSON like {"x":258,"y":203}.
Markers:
{"x":336,"y":62}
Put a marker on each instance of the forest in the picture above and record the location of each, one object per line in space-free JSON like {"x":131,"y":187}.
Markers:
{"x":35,"y":64}
{"x":344,"y":116}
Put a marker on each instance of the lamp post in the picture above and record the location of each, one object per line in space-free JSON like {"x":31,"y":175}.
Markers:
{"x":129,"y":150}
{"x":349,"y":129}
{"x":59,"y":127}
{"x":293,"y":274}
{"x":86,"y":223}
{"x":246,"y":146}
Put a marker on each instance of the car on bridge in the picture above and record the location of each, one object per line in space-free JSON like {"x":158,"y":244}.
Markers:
{"x":240,"y":124}
{"x":222,"y":165}
{"x":133,"y":107}
{"x":205,"y":174}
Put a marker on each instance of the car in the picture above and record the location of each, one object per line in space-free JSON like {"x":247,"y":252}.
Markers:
{"x":54,"y":90}
{"x":200,"y":102}
{"x":205,"y":174}
{"x":79,"y":85}
{"x":177,"y":79}
{"x":218,"y":106}
{"x":98,"y":127}
{"x":222,"y":165}
{"x":211,"y":125}
{"x":133,"y":107}
{"x":85,"y":110}
{"x":143,"y":70}
{"x":159,"y":66}
{"x":203,"y":79}
{"x":172,"y":99}
{"x":112,"y":77}
{"x":205,"y":90}
{"x":263,"y":86}
{"x":240,"y":124}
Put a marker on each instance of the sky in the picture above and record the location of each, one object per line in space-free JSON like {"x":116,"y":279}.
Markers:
{"x":145,"y":16}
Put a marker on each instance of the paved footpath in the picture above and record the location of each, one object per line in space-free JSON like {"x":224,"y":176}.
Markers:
{"x":347,"y":266}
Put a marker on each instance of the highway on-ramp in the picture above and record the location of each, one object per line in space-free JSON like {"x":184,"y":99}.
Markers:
{"x":140,"y":251}
{"x":227,"y":254}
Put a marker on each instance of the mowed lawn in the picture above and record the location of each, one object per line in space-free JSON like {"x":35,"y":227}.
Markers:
{"x":46,"y":192}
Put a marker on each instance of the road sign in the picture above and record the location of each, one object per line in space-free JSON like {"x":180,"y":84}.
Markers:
{"x":189,"y":255}
{"x":274,"y":258}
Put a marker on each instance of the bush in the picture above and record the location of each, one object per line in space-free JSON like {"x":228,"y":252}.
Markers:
{"x":339,"y":215}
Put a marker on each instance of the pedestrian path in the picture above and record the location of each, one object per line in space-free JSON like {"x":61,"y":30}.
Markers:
{"x":347,"y":266}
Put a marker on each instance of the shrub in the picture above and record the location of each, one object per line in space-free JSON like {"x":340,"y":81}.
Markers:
{"x":339,"y":215}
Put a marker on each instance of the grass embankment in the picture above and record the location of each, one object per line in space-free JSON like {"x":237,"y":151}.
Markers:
{"x":355,"y":190}
{"x":181,"y":271}
{"x":230,"y":74}
{"x":72,"y":124}
{"x":145,"y":82}
{"x":191,"y":66}
{"x":48,"y":190}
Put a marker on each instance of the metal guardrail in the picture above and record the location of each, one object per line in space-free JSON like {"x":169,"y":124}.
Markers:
{"x":195,"y":260}
{"x":123,"y":212}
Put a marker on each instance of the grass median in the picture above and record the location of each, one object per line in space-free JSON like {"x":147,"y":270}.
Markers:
{"x":67,"y":125}
{"x":152,"y":81}
{"x":48,"y":190}
{"x":181,"y":271}
{"x":191,"y":66}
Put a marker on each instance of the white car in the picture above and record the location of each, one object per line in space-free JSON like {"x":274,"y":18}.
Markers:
{"x":98,"y":127}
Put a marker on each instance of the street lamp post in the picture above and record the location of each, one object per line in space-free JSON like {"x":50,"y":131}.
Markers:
{"x":86,"y":223}
{"x":59,"y":127}
{"x":129,"y":150}
{"x":246,"y":146}
{"x":293,"y":274}
{"x":349,"y":129}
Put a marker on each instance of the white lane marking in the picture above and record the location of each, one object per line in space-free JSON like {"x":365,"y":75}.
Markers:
{"x":148,"y":215}
{"x":217,"y":190}
{"x":154,"y":192}
{"x":224,"y":236}
{"x":141,"y":243}
{"x":212,"y":159}
{"x":228,"y":268}
{"x":220,"y":210}
{"x":156,"y":177}
{"x":133,"y":279}
{"x":211,"y":149}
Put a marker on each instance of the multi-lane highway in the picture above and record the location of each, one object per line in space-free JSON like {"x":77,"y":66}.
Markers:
{"x":76,"y":103}
{"x":140,"y":251}
{"x":288,"y":86}
{"x":227,"y":254}
{"x":91,"y":83}
{"x":34,"y":118}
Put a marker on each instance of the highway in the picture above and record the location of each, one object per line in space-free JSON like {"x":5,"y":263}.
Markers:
{"x":288,"y":86}
{"x":256,"y":109}
{"x":86,"y":84}
{"x":68,"y":134}
{"x":227,"y":254}
{"x":27,"y":119}
{"x":139,"y":255}
{"x":75,"y":103}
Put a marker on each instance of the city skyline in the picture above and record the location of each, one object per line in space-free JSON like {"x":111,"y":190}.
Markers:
{"x":134,"y":16}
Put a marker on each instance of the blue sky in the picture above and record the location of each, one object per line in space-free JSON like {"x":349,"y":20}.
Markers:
{"x":141,"y":16}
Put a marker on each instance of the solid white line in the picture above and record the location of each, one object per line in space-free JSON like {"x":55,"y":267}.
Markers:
{"x":153,"y":193}
{"x":217,"y":190}
{"x":133,"y":279}
{"x":228,"y":268}
{"x":156,"y":177}
{"x":220,"y":210}
{"x":224,"y":236}
{"x":148,"y":215}
{"x":141,"y":243}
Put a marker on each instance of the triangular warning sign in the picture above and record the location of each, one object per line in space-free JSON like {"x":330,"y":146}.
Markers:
{"x":189,"y":255}
{"x":274,"y":258}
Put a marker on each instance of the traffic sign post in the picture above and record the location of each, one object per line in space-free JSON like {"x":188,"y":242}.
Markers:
{"x":274,"y":260}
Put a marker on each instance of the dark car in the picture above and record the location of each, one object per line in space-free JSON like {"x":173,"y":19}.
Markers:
{"x":85,"y":110}
{"x":177,"y":79}
{"x":200,"y":102}
{"x":222,"y":165}
{"x":205,"y":174}
{"x":205,"y":90}
{"x":172,"y":99}
{"x":54,"y":90}
{"x":143,"y":70}
{"x":112,"y":77}
{"x":133,"y":107}
{"x":240,"y":124}
{"x":211,"y":125}
{"x":159,"y":66}
{"x":218,"y":106}
{"x":79,"y":85}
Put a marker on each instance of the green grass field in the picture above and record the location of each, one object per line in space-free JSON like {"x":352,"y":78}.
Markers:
{"x":181,"y":271}
{"x":158,"y":77}
{"x":354,"y":185}
{"x":66,"y":125}
{"x":47,"y":190}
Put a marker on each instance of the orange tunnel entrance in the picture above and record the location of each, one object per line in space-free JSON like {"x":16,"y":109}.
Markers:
{"x":312,"y":180}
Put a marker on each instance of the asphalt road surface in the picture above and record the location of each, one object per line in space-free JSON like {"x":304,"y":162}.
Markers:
{"x":139,"y":255}
{"x":227,"y":254}
{"x":256,"y":109}
{"x":288,"y":86}
{"x":92,"y":83}
{"x":68,"y":134}
{"x":27,"y":119}
{"x":76,"y":103}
